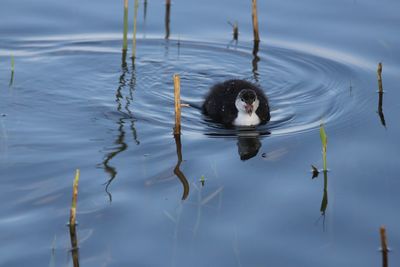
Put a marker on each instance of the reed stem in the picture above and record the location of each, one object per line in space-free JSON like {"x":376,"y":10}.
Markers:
{"x":255,"y":21}
{"x":167,"y":18}
{"x":12,"y":63}
{"x":125,"y":34}
{"x":379,"y":72}
{"x":72,"y":217}
{"x":324,"y":141}
{"x":235,"y":30}
{"x":177,"y":97}
{"x":134,"y":29}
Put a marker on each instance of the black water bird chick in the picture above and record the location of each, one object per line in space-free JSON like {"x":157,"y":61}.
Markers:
{"x":237,"y":103}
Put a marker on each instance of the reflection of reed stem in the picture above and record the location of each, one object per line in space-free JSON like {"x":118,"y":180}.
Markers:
{"x":255,"y":60}
{"x":380,"y":90}
{"x":255,"y":21}
{"x":74,"y":244}
{"x":177,"y":96}
{"x":177,"y":170}
{"x":384,"y":247}
{"x":380,"y":109}
{"x":379,"y":72}
{"x":324,"y":202}
{"x":144,"y":10}
{"x":72,"y":218}
{"x":167,"y":17}
{"x":125,"y":34}
{"x":120,"y":141}
{"x":134,"y":29}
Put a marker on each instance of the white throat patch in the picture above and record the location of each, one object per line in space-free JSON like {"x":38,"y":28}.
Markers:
{"x":243,"y":118}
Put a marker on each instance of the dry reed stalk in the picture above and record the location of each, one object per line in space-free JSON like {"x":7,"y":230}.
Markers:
{"x":134,"y":29}
{"x":125,"y":34}
{"x":177,"y":97}
{"x":72,"y":217}
{"x":255,"y":21}
{"x":379,"y":72}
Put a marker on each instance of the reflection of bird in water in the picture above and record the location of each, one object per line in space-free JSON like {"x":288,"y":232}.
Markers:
{"x":248,"y":145}
{"x":237,"y":103}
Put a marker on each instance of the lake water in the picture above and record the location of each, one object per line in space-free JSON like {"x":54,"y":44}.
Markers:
{"x":214,"y":197}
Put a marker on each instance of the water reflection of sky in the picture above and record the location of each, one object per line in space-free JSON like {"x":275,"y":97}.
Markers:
{"x":73,"y":105}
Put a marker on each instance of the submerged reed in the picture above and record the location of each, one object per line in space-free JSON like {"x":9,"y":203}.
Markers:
{"x":12,"y":63}
{"x":134,"y":29}
{"x":235,"y":29}
{"x":324,"y":140}
{"x":125,"y":33}
{"x":72,"y":217}
{"x":177,"y":97}
{"x":255,"y":21}
{"x":12,"y":71}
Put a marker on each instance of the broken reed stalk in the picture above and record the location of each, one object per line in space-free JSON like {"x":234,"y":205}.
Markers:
{"x":125,"y":34}
{"x":72,"y":217}
{"x":384,"y":246}
{"x":177,"y":97}
{"x":134,"y":29}
{"x":379,"y":72}
{"x":324,"y":140}
{"x":255,"y":21}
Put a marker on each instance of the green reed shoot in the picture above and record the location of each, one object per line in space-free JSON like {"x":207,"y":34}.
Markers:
{"x":324,"y":140}
{"x":72,"y":217}
{"x":125,"y":34}
{"x":202,"y":180}
{"x":134,"y":29}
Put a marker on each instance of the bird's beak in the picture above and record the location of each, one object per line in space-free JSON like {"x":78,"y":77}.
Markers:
{"x":249,"y":108}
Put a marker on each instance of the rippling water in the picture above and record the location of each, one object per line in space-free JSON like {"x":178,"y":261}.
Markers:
{"x":249,"y":199}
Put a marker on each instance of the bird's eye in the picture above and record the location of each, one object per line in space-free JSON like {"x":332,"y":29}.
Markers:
{"x":242,"y":99}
